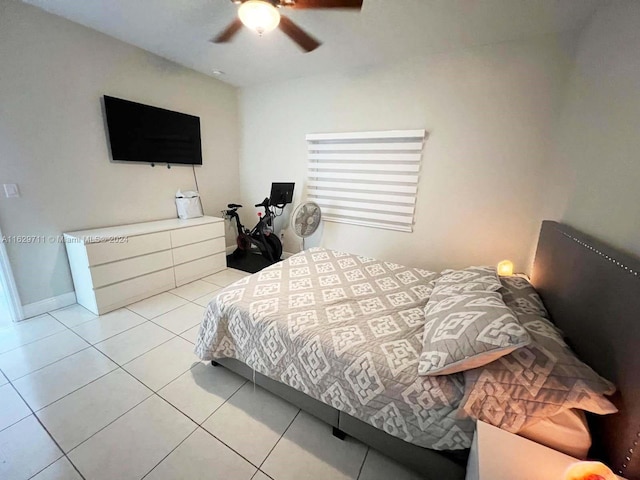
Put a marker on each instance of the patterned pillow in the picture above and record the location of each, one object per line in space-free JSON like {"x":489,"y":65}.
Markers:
{"x":486,"y":276}
{"x":447,"y":289}
{"x":466,"y":331}
{"x":521,"y":297}
{"x":534,"y":382}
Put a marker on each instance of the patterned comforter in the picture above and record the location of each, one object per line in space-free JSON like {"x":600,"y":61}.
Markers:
{"x":345,"y":330}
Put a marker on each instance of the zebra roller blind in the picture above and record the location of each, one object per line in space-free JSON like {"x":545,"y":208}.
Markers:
{"x":366,"y":178}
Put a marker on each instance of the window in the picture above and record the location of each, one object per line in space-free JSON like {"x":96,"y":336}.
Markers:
{"x":366,"y":178}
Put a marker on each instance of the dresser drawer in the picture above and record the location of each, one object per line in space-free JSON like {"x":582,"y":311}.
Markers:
{"x":105,"y":252}
{"x":190,"y":271}
{"x":194,"y":251}
{"x":124,"y":293}
{"x":114,"y":272}
{"x":189,"y":235}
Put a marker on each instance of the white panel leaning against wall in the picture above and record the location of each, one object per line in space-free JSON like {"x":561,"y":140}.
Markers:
{"x":366,"y":178}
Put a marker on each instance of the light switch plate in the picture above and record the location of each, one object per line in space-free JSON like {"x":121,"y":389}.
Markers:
{"x":11,"y":190}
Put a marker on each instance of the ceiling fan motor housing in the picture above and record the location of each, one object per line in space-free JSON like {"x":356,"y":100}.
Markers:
{"x":275,"y":3}
{"x":263,"y":16}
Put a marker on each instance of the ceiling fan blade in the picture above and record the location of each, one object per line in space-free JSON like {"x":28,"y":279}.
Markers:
{"x":295,"y":33}
{"x":228,"y":33}
{"x":300,"y":4}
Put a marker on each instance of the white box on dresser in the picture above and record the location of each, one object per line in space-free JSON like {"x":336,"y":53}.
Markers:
{"x":116,"y":266}
{"x":500,"y":455}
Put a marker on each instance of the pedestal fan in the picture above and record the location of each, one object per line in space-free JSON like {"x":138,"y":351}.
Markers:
{"x":305,"y":220}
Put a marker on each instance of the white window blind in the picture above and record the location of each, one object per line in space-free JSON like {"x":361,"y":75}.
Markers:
{"x":366,"y":178}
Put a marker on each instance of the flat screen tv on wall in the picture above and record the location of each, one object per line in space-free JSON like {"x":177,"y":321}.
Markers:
{"x":141,"y":133}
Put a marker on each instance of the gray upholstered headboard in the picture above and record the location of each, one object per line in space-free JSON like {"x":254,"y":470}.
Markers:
{"x":592,"y":292}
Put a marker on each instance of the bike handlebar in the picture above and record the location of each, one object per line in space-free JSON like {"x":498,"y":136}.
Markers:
{"x":265,"y":203}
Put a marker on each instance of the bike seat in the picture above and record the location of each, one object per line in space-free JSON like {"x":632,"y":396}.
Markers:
{"x":234,"y":205}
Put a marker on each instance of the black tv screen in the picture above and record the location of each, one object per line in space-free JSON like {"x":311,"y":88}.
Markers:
{"x":141,"y":133}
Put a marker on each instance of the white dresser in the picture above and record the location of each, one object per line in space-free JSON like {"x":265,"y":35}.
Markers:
{"x":116,"y":266}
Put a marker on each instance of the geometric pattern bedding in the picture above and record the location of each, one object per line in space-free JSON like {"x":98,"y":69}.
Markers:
{"x":466,"y":331}
{"x":521,"y":297}
{"x":347,"y":331}
{"x":535,"y":382}
{"x":479,"y":278}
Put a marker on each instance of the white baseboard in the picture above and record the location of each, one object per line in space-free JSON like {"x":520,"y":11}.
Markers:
{"x":48,"y":305}
{"x":231,"y":249}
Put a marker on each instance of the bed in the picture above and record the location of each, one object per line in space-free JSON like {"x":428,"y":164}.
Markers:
{"x":339,"y":335}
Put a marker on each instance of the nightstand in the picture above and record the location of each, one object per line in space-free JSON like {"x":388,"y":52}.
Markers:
{"x":500,"y":455}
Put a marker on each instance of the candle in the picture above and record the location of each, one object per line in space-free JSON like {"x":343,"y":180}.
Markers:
{"x":505,"y":268}
{"x":589,"y":471}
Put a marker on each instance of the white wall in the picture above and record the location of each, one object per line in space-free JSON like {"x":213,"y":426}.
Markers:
{"x":53,"y":144}
{"x":596,"y":172}
{"x":490,"y":116}
{"x":496,"y":163}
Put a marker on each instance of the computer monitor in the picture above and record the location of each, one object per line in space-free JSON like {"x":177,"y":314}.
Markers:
{"x":281,"y":194}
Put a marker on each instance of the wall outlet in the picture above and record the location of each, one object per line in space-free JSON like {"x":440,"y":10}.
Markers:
{"x":11,"y":190}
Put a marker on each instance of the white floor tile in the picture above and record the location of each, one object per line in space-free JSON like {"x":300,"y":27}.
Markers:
{"x":60,"y":470}
{"x":73,"y":315}
{"x":74,"y":418}
{"x":189,"y":335}
{"x":225,"y":277}
{"x":378,"y":467}
{"x":181,"y":319}
{"x":54,"y":381}
{"x":128,"y":345}
{"x":27,"y":331}
{"x":154,"y":306}
{"x":308,"y":450}
{"x":12,"y":408}
{"x":3,"y":379}
{"x":164,"y":363}
{"x":200,"y":391}
{"x":202,"y":457}
{"x":251,"y":422}
{"x":132,"y":445}
{"x":25,"y":449}
{"x":262,"y":476}
{"x":108,"y":325}
{"x":194,"y":290}
{"x":206,"y":299}
{"x":33,"y":356}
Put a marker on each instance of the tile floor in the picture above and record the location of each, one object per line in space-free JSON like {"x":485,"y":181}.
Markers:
{"x":123,"y":396}
{"x":5,"y":318}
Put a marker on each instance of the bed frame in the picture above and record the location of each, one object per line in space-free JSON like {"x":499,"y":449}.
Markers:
{"x":592,"y":293}
{"x":432,"y":464}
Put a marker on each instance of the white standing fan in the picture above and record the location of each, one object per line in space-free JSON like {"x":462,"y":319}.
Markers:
{"x":305,"y":220}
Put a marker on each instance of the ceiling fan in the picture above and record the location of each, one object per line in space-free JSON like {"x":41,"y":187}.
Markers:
{"x":262,"y":16}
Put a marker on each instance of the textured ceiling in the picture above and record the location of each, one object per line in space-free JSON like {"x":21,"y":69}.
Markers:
{"x":385,"y":31}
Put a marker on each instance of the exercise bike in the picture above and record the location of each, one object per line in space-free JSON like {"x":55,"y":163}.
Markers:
{"x":260,"y":238}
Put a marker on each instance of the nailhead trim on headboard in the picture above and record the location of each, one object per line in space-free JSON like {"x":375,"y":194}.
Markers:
{"x":630,"y":455}
{"x":631,"y":450}
{"x":595,"y":250}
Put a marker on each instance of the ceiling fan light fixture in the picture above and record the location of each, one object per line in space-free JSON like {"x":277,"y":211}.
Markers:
{"x":259,"y":15}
